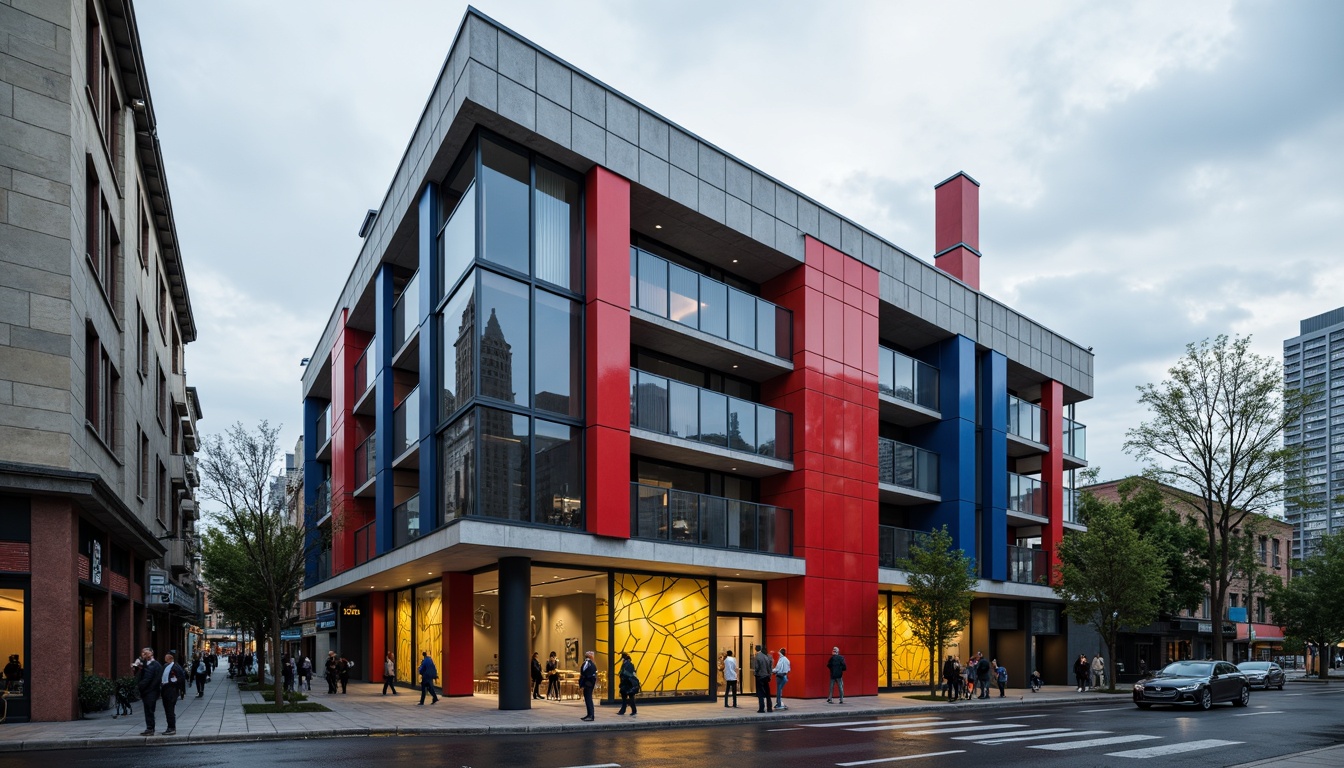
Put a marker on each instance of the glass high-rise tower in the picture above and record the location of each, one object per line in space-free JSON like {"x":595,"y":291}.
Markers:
{"x":1314,"y":360}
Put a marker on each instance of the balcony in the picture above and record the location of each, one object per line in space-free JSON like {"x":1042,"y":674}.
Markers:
{"x":366,"y":371}
{"x":324,"y":565}
{"x":907,"y":389}
{"x":322,"y":504}
{"x":698,"y":318}
{"x":366,"y":543}
{"x":1026,"y":500}
{"x":680,"y":422}
{"x":322,"y":434}
{"x":366,"y":468}
{"x":1027,"y":566}
{"x":1075,"y":444}
{"x":906,"y":475}
{"x":177,"y":470}
{"x":406,"y":521}
{"x":1073,"y":499}
{"x":190,"y":511}
{"x":180,"y":405}
{"x":682,"y":517}
{"x":406,"y":431}
{"x":893,"y":545}
{"x":405,"y":326}
{"x":1026,"y":428}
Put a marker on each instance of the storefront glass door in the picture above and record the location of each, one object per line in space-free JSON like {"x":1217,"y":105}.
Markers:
{"x":741,"y":635}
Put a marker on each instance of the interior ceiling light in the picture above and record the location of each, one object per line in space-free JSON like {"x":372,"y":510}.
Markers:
{"x":657,"y":226}
{"x":734,"y":261}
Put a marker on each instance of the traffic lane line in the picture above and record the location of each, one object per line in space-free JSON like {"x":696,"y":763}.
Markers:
{"x":1093,"y":742}
{"x":1011,"y":737}
{"x":962,"y":729}
{"x":898,"y":726}
{"x":902,"y":757}
{"x":1270,"y":712}
{"x":1173,"y":749}
{"x":872,"y":722}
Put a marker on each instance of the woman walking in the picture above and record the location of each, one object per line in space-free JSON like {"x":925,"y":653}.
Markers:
{"x":629,"y":685}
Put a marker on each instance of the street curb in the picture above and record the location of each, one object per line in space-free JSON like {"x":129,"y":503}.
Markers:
{"x":505,"y":730}
{"x":1281,"y":759}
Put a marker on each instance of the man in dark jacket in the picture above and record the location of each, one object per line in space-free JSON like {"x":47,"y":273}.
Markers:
{"x":836,"y":665}
{"x":588,"y":681}
{"x":428,"y":674}
{"x":172,"y":687}
{"x":982,"y":676}
{"x":150,"y":679}
{"x":949,"y":671}
{"x":761,"y":665}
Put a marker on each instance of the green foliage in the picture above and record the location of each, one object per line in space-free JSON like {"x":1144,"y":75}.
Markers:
{"x":95,"y":692}
{"x":1216,"y":437}
{"x":1179,"y":541}
{"x":283,"y":709}
{"x":1308,"y":607}
{"x":290,"y":696}
{"x":128,"y":687}
{"x":1109,"y":576}
{"x":938,"y":603}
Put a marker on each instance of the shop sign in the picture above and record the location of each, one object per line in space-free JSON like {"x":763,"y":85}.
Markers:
{"x":290,"y":634}
{"x":350,"y":610}
{"x":157,"y":577}
{"x":96,"y":563}
{"x":309,"y":629}
{"x":1206,"y":627}
{"x":325,"y":620}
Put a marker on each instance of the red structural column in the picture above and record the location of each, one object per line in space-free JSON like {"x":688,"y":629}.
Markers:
{"x":348,"y":513}
{"x":377,"y":635}
{"x":458,"y":635}
{"x":1052,"y":471}
{"x":832,"y":394}
{"x":607,"y":360}
{"x":54,"y":603}
{"x":956,"y":240}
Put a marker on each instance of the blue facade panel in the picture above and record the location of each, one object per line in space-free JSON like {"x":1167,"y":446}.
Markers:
{"x":429,"y":358}
{"x":312,"y":479}
{"x":994,"y":466}
{"x":953,"y":439}
{"x":383,"y":395}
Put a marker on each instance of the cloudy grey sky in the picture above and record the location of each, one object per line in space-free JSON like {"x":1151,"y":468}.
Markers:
{"x":1153,"y":173}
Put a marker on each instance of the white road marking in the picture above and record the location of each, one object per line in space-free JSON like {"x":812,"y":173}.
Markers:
{"x":1173,"y":749}
{"x":974,"y":737}
{"x":903,"y":757}
{"x":777,"y":730}
{"x":911,"y":725}
{"x":1292,"y":694}
{"x":1053,"y":733}
{"x":1270,"y":712}
{"x":599,"y":765}
{"x":932,"y":731}
{"x":871,"y":722}
{"x":1108,"y":709}
{"x":1092,"y":742}
{"x":1019,"y":717}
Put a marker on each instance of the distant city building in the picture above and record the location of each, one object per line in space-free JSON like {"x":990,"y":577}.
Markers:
{"x":1314,"y":361}
{"x":98,"y":551}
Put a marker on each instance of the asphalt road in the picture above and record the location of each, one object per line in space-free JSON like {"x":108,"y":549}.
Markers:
{"x":1106,"y":734}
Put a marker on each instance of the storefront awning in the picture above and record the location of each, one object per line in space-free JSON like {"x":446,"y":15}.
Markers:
{"x":1264,"y":633}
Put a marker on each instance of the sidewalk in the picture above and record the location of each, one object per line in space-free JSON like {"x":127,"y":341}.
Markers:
{"x":1326,"y":757}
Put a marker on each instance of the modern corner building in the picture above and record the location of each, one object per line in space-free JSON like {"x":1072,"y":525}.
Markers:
{"x":595,"y":384}
{"x":1314,"y":361}
{"x":97,"y":423}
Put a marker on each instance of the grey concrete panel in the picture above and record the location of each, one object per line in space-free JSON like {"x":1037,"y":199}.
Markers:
{"x":763,"y":193}
{"x":553,"y":122}
{"x":26,"y":26}
{"x":786,"y":206}
{"x":47,"y":313}
{"x":37,"y":142}
{"x":653,"y":172}
{"x":851,"y":238}
{"x":457,"y":60}
{"x":6,"y":100}
{"x":893,"y":263}
{"x":518,"y":61}
{"x":14,"y":308}
{"x":590,"y":99}
{"x":684,"y":188}
{"x":40,"y":341}
{"x":788,"y":240}
{"x":553,"y":80}
{"x":39,"y":215}
{"x":944,"y":294}
{"x":829,"y":229}
{"x":684,"y":151}
{"x":738,"y":181}
{"x":517,"y":103}
{"x":762,"y":227}
{"x":32,"y":367}
{"x":589,"y":140}
{"x":483,"y":41}
{"x":622,"y":118}
{"x":809,"y":217}
{"x":712,"y":168}
{"x":711,"y":202}
{"x":653,"y":135}
{"x":54,"y":11}
{"x":739,"y":215}
{"x":622,"y":157}
{"x":482,"y":85}
{"x":944,"y":315}
{"x":44,"y":56}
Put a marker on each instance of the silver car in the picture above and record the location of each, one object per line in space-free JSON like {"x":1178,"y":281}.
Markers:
{"x":1263,"y":674}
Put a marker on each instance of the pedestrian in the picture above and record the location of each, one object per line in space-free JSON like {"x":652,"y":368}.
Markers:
{"x":390,"y":674}
{"x":1143,"y":667}
{"x":172,"y":686}
{"x":306,"y":671}
{"x":968,"y":673}
{"x":536,"y":676}
{"x":331,"y":671}
{"x":553,"y":677}
{"x":343,"y":667}
{"x":760,"y":669}
{"x":836,"y":665}
{"x":782,"y":669}
{"x":428,"y":674}
{"x":729,"y":678}
{"x":957,"y":679}
{"x":287,"y":672}
{"x":629,"y":687}
{"x":1036,"y":681}
{"x":982,"y":671}
{"x":1000,"y":676}
{"x":1098,"y":671}
{"x":1080,"y":670}
{"x":588,"y":681}
{"x":149,"y":682}
{"x":948,"y":671}
{"x":200,"y":669}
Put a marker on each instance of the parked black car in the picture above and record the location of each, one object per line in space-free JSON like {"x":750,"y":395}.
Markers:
{"x":1199,"y":683}
{"x":1263,"y":674}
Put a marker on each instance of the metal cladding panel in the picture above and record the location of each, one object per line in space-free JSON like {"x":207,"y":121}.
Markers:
{"x":429,"y":358}
{"x":458,"y":659}
{"x":383,"y":395}
{"x":1052,"y":471}
{"x":312,"y":479}
{"x":953,"y":439}
{"x":348,"y":512}
{"x":994,"y":466}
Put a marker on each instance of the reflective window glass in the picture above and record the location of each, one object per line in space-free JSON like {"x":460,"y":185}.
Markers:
{"x":558,"y":230}
{"x":457,"y":244}
{"x":505,"y":179}
{"x":505,"y":339}
{"x":558,"y":371}
{"x":457,"y":456}
{"x":559,"y":474}
{"x":457,"y":329}
{"x":505,"y":456}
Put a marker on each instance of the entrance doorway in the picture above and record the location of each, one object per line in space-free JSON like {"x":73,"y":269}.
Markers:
{"x":741,"y":635}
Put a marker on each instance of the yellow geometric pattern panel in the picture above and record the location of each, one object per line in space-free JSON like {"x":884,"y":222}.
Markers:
{"x":429,"y":626}
{"x":909,"y":659}
{"x":663,"y":622}
{"x":404,"y":635}
{"x":883,"y":641}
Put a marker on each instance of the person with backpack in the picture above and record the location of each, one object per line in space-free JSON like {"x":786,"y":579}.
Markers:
{"x":1000,"y":676}
{"x":629,"y":685}
{"x":199,"y":669}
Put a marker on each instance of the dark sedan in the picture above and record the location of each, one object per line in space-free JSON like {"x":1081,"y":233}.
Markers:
{"x":1263,"y":674}
{"x":1198,"y":683}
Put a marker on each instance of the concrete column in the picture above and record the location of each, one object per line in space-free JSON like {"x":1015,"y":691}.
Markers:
{"x":55,"y":610}
{"x":515,"y":586}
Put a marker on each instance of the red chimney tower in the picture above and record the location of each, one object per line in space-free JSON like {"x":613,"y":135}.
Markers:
{"x":956,"y":239}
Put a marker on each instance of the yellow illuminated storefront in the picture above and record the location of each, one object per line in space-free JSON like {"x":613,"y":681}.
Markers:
{"x":901,"y":661}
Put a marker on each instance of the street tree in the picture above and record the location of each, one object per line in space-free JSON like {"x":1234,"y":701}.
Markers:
{"x":1109,"y":575}
{"x":938,"y":604}
{"x":1178,"y":539}
{"x":1308,"y":605}
{"x":237,"y":471}
{"x":1215,"y":436}
{"x":232,"y":579}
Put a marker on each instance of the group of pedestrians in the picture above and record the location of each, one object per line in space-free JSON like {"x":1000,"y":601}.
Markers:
{"x":975,"y":679}
{"x":160,"y":682}
{"x":1085,"y":672}
{"x":763,"y":668}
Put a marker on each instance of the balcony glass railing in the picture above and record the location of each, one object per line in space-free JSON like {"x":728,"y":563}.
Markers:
{"x":671,"y":407}
{"x":1025,"y":495}
{"x":907,"y":466}
{"x":1075,"y":439}
{"x":906,"y":378}
{"x":683,"y":517}
{"x":323,"y":427}
{"x":893,"y":545}
{"x":324,"y":565}
{"x":365,"y":370}
{"x":406,"y":312}
{"x":406,"y":521}
{"x":1025,"y":419}
{"x":322,"y":505}
{"x":691,"y":299}
{"x":1072,"y":500}
{"x":1027,"y":565}
{"x":366,"y":456}
{"x":365,"y":543}
{"x":406,"y":423}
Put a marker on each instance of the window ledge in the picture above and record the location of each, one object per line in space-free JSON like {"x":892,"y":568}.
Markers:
{"x":99,"y":439}
{"x":107,"y":300}
{"x":102,"y":141}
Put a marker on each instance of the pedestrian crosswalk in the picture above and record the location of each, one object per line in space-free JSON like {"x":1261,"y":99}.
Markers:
{"x":975,"y":732}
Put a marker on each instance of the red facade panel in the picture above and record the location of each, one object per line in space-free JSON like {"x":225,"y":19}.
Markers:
{"x":458,"y":635}
{"x":348,"y":513}
{"x":1052,"y":471}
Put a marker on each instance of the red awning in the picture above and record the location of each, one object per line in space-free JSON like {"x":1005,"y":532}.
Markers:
{"x":1267,"y":633}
